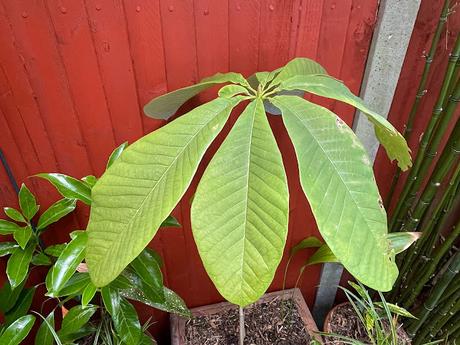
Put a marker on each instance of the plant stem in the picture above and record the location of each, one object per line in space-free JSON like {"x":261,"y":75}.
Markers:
{"x":242,"y":327}
{"x":431,"y":139}
{"x":421,"y":91}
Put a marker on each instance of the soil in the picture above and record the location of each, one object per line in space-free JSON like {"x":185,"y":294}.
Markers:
{"x":273,"y":322}
{"x":344,"y":321}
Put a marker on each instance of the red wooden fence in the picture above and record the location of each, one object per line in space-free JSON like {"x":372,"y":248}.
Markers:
{"x":75,"y":74}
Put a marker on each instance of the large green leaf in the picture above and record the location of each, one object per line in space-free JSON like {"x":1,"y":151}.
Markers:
{"x":18,"y":265}
{"x":66,"y":264}
{"x":298,"y":66}
{"x":142,"y":187}
{"x":17,"y":331}
{"x":69,"y":187}
{"x":240,"y":210}
{"x":338,"y":181}
{"x":323,"y":85}
{"x":127,"y":323}
{"x":55,"y":212}
{"x":166,"y":105}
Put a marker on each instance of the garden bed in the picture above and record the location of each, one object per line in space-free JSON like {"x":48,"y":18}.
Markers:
{"x":281,"y":318}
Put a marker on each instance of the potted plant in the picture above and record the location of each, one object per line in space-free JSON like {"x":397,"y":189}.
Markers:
{"x":240,"y":208}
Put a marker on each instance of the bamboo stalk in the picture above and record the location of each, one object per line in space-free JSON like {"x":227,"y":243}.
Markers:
{"x":421,"y":90}
{"x":451,"y":289}
{"x":435,"y":295}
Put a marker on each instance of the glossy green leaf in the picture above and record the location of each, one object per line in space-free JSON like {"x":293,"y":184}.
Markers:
{"x":27,"y":202}
{"x":75,"y":319}
{"x":56,"y":211}
{"x":55,"y":250}
{"x":88,"y":294}
{"x":18,"y":265}
{"x":147,"y":340}
{"x":116,"y":153}
{"x":400,"y":241}
{"x":142,"y":187}
{"x":395,"y":309}
{"x":69,"y":187}
{"x":299,"y":66}
{"x":322,"y":255}
{"x":7,"y":248}
{"x":44,"y":334}
{"x":127,"y":323}
{"x":166,"y":105}
{"x":132,"y":280}
{"x":148,"y":269}
{"x":21,"y":307}
{"x":240,"y":210}
{"x":338,"y":181}
{"x":14,"y":214}
{"x":9,"y":297}
{"x":17,"y":331}
{"x":111,"y":299}
{"x":90,"y":180}
{"x":309,"y":242}
{"x":75,"y":285}
{"x":66,"y":264}
{"x":81,"y":333}
{"x":323,"y":85}
{"x":7,"y":227}
{"x":22,"y":236}
{"x":231,"y":90}
{"x":170,"y":222}
{"x":41,"y":259}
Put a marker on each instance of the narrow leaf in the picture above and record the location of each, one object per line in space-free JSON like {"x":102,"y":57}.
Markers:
{"x":18,"y":265}
{"x":21,"y":307}
{"x":323,"y":85}
{"x":338,"y":181}
{"x":395,"y":309}
{"x":17,"y":331}
{"x":322,"y":255}
{"x":14,"y":214}
{"x":7,"y":248}
{"x":88,"y":294}
{"x":44,"y":334}
{"x":66,"y":264}
{"x":22,"y":236}
{"x":27,"y":202}
{"x":75,"y":285}
{"x":116,"y":153}
{"x":69,"y":187}
{"x":148,"y":269}
{"x":7,"y":227}
{"x":76,"y":318}
{"x":400,"y":241}
{"x":166,"y":105}
{"x":240,"y":210}
{"x":126,"y":323}
{"x":56,"y":211}
{"x":111,"y":299}
{"x":309,"y":242}
{"x":129,"y":202}
{"x":170,"y":221}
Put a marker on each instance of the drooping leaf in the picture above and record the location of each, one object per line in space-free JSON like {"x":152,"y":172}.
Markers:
{"x":55,"y":250}
{"x":148,"y":269}
{"x":395,"y":309}
{"x":299,"y":66}
{"x":240,"y":210}
{"x":338,"y":181}
{"x":56,"y":211}
{"x":309,"y":242}
{"x":90,"y":180}
{"x":66,"y":264}
{"x":141,"y":188}
{"x":322,"y":255}
{"x":166,"y":105}
{"x":111,"y":299}
{"x":82,"y":332}
{"x":75,"y":285}
{"x":170,"y":221}
{"x":41,"y":259}
{"x":75,"y":319}
{"x":116,"y":153}
{"x":14,"y":214}
{"x":22,"y":236}
{"x":44,"y":334}
{"x":127,"y":323}
{"x":7,"y":227}
{"x":27,"y":202}
{"x":400,"y":241}
{"x":21,"y":307}
{"x":69,"y":187}
{"x":88,"y":294}
{"x":18,"y":265}
{"x":231,"y":90}
{"x":9,"y":297}
{"x":17,"y":331}
{"x":130,"y":279}
{"x":323,"y":85}
{"x":7,"y":248}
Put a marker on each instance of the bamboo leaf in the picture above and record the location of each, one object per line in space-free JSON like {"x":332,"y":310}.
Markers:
{"x":7,"y":227}
{"x":22,"y":236}
{"x":298,"y":66}
{"x":337,"y":178}
{"x":7,"y":248}
{"x":66,"y":264}
{"x":17,"y":331}
{"x":14,"y":214}
{"x":166,"y":105}
{"x":322,"y":255}
{"x":56,"y":211}
{"x":141,"y":188}
{"x":18,"y":265}
{"x":75,"y":319}
{"x":240,"y":210}
{"x":27,"y":202}
{"x":127,"y":323}
{"x":323,"y":85}
{"x":115,"y":154}
{"x":69,"y":187}
{"x":44,"y":334}
{"x":400,"y":241}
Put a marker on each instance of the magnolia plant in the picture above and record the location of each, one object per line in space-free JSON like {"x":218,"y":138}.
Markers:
{"x":240,"y":209}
